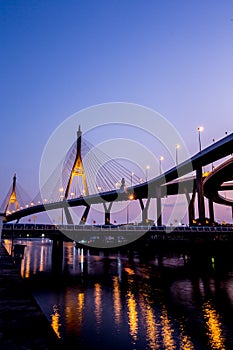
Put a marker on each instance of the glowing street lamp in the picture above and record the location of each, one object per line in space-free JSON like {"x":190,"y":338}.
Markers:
{"x":117,"y":185}
{"x":200,"y":129}
{"x":130,"y":197}
{"x":61,"y":190}
{"x":161,"y":158}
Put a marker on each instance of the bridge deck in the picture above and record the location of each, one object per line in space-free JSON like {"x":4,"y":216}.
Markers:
{"x":117,"y":236}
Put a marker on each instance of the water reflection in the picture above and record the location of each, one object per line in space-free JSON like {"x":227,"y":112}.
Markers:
{"x":152,"y":334}
{"x":37,"y":256}
{"x":130,"y":301}
{"x":117,"y":301}
{"x":132,"y":315}
{"x":132,"y":306}
{"x":80,"y":308}
{"x":55,"y":321}
{"x":213,"y":325}
{"x":98,"y":304}
{"x":148,"y":314}
{"x":185,"y":341}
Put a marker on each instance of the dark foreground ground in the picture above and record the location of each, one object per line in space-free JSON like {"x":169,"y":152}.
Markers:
{"x":22,"y":323}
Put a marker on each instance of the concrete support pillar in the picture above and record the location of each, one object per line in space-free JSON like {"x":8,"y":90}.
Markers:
{"x":159,"y":206}
{"x":190,"y":205}
{"x":144,"y":208}
{"x":68,"y":216}
{"x":85,"y":215}
{"x":107,"y":210}
{"x":200,"y":194}
{"x":159,"y":211}
{"x":211,"y":210}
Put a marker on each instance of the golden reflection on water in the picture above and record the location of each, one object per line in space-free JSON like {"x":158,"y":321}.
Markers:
{"x":74,"y":303}
{"x":26,"y":263}
{"x":132,"y":315}
{"x":55,"y":321}
{"x":98,"y":307}
{"x":167,"y":330}
{"x":129,"y":270}
{"x":80,"y":308}
{"x":132,"y":307}
{"x":117,"y":300}
{"x":185,"y":341}
{"x":69,"y":254}
{"x":152,"y":328}
{"x":42,"y":258}
{"x":155,"y":327}
{"x":213,"y":325}
{"x":35,"y":258}
{"x":81,"y":259}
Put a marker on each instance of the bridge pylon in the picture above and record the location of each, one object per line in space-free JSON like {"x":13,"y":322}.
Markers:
{"x":78,"y":170}
{"x":13,"y":198}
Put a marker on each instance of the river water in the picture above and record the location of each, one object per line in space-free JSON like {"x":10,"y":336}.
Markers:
{"x":133,"y":300}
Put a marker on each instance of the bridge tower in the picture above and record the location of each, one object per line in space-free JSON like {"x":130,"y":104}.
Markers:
{"x":13,"y":198}
{"x":77,"y":170}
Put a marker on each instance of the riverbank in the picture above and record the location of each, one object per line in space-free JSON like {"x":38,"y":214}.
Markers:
{"x":22,"y":323}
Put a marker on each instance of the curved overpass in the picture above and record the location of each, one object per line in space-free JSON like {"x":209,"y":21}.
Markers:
{"x":215,"y":183}
{"x":216,"y":151}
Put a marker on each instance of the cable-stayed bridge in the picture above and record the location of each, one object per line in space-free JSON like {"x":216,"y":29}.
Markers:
{"x":90,"y":177}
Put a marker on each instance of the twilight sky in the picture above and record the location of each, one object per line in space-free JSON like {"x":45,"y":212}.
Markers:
{"x":58,"y":57}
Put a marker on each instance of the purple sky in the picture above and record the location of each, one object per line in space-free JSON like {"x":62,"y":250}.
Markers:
{"x":58,"y":57}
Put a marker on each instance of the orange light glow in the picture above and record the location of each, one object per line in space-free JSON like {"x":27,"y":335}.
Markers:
{"x":213,"y":326}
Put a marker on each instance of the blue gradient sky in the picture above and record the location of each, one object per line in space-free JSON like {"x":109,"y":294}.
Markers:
{"x":58,"y":57}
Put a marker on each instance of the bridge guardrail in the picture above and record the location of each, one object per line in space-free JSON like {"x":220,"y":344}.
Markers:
{"x":124,"y":228}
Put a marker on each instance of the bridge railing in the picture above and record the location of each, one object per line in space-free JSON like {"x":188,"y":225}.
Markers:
{"x":114,"y":228}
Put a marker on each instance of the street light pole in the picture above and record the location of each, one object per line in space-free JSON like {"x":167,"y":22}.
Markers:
{"x":131,"y":197}
{"x":212,"y":162}
{"x":160,"y":164}
{"x":200,"y":129}
{"x":147,"y":171}
{"x":177,"y":147}
{"x":61,"y":190}
{"x":132,"y":174}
